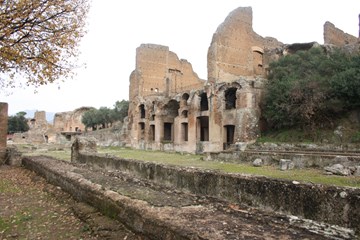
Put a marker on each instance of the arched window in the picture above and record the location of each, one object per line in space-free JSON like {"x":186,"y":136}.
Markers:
{"x":230,"y":98}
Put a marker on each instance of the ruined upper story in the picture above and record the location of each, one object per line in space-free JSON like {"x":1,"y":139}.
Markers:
{"x":337,"y":37}
{"x":236,"y":50}
{"x":70,"y":121}
{"x":160,"y":72}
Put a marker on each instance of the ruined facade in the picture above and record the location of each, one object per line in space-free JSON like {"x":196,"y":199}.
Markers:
{"x":171,"y":109}
{"x":336,"y":36}
{"x":69,"y":124}
{"x":40,"y":131}
{"x":65,"y":126}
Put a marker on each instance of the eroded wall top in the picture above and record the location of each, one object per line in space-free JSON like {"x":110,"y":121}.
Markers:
{"x":160,"y":71}
{"x":236,"y":50}
{"x":335,"y":36}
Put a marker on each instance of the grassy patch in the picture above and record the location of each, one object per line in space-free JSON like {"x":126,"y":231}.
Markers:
{"x":7,"y":187}
{"x":62,"y":154}
{"x":192,"y":160}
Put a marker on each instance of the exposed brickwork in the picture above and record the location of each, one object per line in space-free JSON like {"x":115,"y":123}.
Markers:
{"x":335,"y":36}
{"x":236,"y":50}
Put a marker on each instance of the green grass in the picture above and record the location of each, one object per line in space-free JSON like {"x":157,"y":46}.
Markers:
{"x":191,"y":160}
{"x":7,"y":187}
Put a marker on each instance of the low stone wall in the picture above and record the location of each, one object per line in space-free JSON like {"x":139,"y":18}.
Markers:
{"x":134,"y":213}
{"x":333,"y":205}
{"x":300,"y":160}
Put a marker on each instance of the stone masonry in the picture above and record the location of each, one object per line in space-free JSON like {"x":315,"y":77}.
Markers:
{"x":172,"y":109}
{"x":335,"y":36}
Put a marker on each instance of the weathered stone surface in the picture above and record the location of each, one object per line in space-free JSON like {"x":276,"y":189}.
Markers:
{"x":142,"y":203}
{"x":357,"y":171}
{"x":70,"y":121}
{"x":160,"y":71}
{"x":336,"y":36}
{"x":258,"y":162}
{"x":13,"y":156}
{"x":286,"y":164}
{"x":82,"y":144}
{"x":236,"y":50}
{"x":338,"y":169}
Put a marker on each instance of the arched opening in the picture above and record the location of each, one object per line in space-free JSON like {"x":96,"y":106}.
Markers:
{"x":203,"y":128}
{"x":184,"y":99}
{"x":185,"y":96}
{"x":204,"y":104}
{"x":258,"y":60}
{"x":142,"y":110}
{"x":230,"y":98}
{"x":229,"y":131}
{"x":184,"y":114}
{"x":172,"y":108}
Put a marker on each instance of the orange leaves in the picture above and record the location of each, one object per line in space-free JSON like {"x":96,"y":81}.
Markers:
{"x":39,"y":39}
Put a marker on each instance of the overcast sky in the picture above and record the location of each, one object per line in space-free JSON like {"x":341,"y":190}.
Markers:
{"x":116,"y":28}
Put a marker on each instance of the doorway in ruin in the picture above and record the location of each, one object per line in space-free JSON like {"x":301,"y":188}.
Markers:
{"x":203,"y":128}
{"x":152,"y":132}
{"x":204,"y":104}
{"x":229,"y":133}
{"x":142,"y":110}
{"x":230,"y":98}
{"x":141,"y":131}
{"x":184,"y":99}
{"x":167,"y":131}
{"x":184,"y":132}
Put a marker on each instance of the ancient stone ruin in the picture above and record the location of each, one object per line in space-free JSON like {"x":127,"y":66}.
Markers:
{"x":172,"y":109}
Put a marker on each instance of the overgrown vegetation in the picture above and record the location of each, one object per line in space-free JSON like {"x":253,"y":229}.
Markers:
{"x":104,"y":117}
{"x":311,"y":89}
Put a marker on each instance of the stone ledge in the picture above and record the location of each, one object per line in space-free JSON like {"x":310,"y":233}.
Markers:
{"x":206,"y":218}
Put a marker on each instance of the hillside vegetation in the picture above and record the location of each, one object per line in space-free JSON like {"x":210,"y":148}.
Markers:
{"x":313,"y":96}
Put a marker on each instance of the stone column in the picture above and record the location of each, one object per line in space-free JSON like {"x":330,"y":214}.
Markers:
{"x":3,"y":130}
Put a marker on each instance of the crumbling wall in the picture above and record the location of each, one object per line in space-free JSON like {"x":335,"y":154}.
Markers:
{"x":333,"y":205}
{"x":70,"y":121}
{"x":3,"y":130}
{"x":236,"y":50}
{"x":159,"y":71}
{"x":335,"y":36}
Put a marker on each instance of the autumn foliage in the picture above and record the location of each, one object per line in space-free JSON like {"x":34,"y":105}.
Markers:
{"x":39,"y":40}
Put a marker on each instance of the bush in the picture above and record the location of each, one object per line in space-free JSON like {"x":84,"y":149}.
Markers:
{"x":311,"y":88}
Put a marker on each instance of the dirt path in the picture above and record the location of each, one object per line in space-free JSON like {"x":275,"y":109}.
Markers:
{"x":30,"y":208}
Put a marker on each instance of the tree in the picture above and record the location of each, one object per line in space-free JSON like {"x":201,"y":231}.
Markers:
{"x":18,"y":123}
{"x":89,"y":119}
{"x":121,"y":109}
{"x":311,"y":88}
{"x":39,"y":40}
